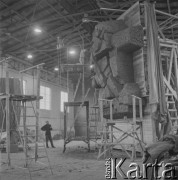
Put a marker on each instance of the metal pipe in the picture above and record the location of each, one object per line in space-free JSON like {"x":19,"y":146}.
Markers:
{"x":105,"y":99}
{"x":75,"y":64}
{"x":161,"y":12}
{"x":32,"y":67}
{"x":7,"y":115}
{"x":2,"y":60}
{"x":109,"y":9}
{"x":167,"y":14}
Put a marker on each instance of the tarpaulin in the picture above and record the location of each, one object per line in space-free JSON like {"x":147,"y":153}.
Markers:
{"x":155,"y":74}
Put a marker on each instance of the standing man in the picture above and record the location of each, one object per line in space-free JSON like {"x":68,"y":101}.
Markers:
{"x":47,"y":128}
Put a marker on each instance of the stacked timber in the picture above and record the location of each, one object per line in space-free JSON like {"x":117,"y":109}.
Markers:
{"x":14,"y":106}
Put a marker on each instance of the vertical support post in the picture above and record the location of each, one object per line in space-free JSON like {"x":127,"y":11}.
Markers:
{"x":65,"y":126}
{"x":21,"y":79}
{"x":68,"y":82}
{"x":67,"y":76}
{"x":60,"y":97}
{"x":170,"y":65}
{"x":111,"y":112}
{"x":25,"y":133}
{"x":83,"y":82}
{"x":60,"y":105}
{"x":102,"y":125}
{"x":176,"y":70}
{"x":7,"y":115}
{"x":176,"y":73}
{"x":96,"y":122}
{"x":88,"y":130}
{"x":111,"y":118}
{"x":134,"y":127}
{"x":101,"y":112}
{"x":141,"y":118}
{"x":37,"y":111}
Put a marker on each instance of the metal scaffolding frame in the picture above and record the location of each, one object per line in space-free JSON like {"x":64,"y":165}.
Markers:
{"x":68,"y":139}
{"x":109,"y":128}
{"x":10,"y":98}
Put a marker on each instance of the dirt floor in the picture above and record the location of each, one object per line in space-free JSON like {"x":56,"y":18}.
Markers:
{"x":75,"y":164}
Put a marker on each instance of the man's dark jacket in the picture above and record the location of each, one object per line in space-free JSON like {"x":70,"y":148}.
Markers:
{"x":47,"y":128}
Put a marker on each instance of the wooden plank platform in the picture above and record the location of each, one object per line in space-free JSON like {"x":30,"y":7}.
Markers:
{"x":77,"y":68}
{"x":128,"y":120}
{"x":15,"y":97}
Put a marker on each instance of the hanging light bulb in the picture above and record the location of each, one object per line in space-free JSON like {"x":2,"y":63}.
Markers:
{"x":91,"y":66}
{"x":29,"y":56}
{"x":56,"y":69}
{"x":72,"y":51}
{"x":37,"y":30}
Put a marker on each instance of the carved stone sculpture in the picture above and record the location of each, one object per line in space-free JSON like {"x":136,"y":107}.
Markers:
{"x":112,"y":56}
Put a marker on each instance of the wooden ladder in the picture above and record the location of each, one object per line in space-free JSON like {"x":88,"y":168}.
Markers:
{"x":93,"y":123}
{"x":31,"y":147}
{"x":172,"y":111}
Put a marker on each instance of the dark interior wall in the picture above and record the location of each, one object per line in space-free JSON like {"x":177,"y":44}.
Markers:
{"x":80,"y":123}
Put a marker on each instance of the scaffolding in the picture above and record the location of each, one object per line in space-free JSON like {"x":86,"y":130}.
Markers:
{"x":94,"y":123}
{"x":169,"y":53}
{"x":109,"y":131}
{"x":23,"y":101}
{"x":67,"y":136}
{"x":76,"y":68}
{"x":5,"y":96}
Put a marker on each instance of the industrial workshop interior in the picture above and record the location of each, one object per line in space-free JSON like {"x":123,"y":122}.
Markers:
{"x":88,"y":89}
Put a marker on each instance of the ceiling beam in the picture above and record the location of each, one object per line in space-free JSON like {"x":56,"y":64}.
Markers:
{"x":63,"y":55}
{"x":21,"y":16}
{"x":43,"y":42}
{"x":46,"y":19}
{"x":26,"y":20}
{"x":27,"y":45}
{"x":54,"y":9}
{"x":9,"y":7}
{"x":50,"y":33}
{"x":39,"y":20}
{"x":18,"y":59}
{"x":71,"y":10}
{"x":169,"y":10}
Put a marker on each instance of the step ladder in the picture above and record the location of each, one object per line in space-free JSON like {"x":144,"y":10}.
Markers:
{"x":34,"y":149}
{"x":94,"y":116}
{"x":172,"y":111}
{"x":95,"y":97}
{"x":93,"y":122}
